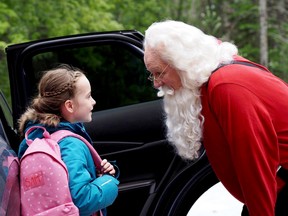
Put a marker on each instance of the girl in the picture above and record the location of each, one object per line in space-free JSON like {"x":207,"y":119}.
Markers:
{"x":63,"y":102}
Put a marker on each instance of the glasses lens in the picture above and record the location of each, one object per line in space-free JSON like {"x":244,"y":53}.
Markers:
{"x":151,"y":77}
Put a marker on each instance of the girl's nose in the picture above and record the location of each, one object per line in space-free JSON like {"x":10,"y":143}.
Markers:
{"x":93,"y":102}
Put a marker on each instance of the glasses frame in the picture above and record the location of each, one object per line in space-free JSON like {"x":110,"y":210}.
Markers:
{"x":153,"y":78}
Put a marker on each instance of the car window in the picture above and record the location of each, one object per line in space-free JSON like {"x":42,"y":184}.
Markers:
{"x":116,"y":72}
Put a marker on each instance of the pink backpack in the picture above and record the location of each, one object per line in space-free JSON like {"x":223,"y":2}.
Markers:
{"x":44,"y":177}
{"x":9,"y":181}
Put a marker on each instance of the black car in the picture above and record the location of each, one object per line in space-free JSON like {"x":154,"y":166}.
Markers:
{"x":128,"y":121}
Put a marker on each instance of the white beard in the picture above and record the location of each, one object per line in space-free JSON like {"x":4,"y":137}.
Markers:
{"x":183,"y":120}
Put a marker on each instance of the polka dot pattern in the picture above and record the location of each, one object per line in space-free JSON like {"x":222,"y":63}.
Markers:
{"x":44,"y":181}
{"x":44,"y":176}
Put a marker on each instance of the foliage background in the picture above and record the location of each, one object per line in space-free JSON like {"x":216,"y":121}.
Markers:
{"x":236,"y":21}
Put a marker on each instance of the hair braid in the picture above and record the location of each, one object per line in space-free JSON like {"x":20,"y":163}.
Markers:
{"x":55,"y":87}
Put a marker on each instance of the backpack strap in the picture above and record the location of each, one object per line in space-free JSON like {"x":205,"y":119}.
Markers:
{"x":249,"y":64}
{"x":45,"y":133}
{"x":60,"y":134}
{"x":241,"y":63}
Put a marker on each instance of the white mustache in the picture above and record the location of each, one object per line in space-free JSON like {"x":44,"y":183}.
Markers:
{"x":160,"y":93}
{"x":165,"y":91}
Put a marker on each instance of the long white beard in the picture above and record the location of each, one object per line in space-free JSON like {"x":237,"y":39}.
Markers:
{"x":184,"y":121}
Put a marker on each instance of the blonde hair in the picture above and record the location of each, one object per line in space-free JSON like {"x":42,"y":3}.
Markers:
{"x":55,"y":87}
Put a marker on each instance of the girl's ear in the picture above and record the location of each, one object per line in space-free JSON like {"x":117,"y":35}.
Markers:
{"x":68,"y":105}
{"x":67,"y":110}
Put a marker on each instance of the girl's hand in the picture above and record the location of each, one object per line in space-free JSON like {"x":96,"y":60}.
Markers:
{"x":107,"y":168}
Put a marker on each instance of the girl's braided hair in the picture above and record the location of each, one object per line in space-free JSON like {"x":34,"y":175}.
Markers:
{"x":55,"y":87}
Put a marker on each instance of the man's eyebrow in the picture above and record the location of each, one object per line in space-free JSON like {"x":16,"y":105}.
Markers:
{"x":155,"y":68}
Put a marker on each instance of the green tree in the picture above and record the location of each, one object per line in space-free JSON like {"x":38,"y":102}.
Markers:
{"x":139,"y":14}
{"x":235,"y":21}
{"x":277,"y":37}
{"x":27,"y":20}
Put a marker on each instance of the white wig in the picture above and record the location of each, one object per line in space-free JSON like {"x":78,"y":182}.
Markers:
{"x":188,"y":50}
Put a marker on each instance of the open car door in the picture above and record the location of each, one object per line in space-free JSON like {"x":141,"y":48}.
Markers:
{"x":128,"y":120}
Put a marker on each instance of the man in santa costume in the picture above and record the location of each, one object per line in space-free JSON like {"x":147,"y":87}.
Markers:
{"x":236,"y":108}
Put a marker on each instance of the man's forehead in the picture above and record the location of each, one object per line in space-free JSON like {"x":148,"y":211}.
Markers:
{"x":150,"y":56}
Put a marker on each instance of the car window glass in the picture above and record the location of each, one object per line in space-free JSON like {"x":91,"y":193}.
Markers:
{"x":116,"y":72}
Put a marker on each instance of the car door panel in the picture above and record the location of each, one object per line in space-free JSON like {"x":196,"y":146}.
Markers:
{"x":134,"y":137}
{"x":135,"y":123}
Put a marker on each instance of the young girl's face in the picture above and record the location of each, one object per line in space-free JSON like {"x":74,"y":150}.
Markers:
{"x":82,"y":101}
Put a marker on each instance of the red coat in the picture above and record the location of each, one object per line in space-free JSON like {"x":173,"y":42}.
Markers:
{"x":246,"y":133}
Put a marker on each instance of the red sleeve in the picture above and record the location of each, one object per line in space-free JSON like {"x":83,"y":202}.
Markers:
{"x":252,"y":144}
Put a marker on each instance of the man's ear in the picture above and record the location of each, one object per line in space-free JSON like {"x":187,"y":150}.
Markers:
{"x":69,"y":106}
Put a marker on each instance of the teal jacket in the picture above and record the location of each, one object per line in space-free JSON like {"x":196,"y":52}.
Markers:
{"x":89,"y":193}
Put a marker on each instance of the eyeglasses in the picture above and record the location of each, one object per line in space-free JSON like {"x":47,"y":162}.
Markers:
{"x":153,"y":78}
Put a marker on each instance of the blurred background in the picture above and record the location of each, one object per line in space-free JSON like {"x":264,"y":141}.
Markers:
{"x":258,"y":27}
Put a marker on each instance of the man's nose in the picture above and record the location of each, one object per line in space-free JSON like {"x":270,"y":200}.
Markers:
{"x":157,"y":83}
